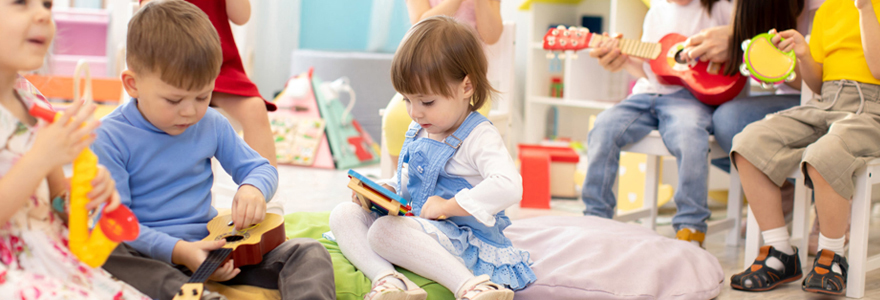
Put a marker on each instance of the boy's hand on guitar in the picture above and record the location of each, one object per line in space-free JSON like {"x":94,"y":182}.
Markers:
{"x":248,"y":207}
{"x":608,"y":54}
{"x":103,"y":190}
{"x":61,"y":141}
{"x":790,"y":40}
{"x":193,"y":254}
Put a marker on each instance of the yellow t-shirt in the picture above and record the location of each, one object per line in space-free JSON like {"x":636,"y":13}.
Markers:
{"x":836,"y":42}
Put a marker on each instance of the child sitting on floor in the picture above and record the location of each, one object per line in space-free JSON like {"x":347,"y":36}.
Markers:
{"x":455,"y":171}
{"x":159,"y":148}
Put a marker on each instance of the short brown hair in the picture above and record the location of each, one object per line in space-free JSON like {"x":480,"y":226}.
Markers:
{"x":439,"y":51}
{"x":176,"y":40}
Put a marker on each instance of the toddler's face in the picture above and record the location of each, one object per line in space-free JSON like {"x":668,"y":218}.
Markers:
{"x":169,"y":108}
{"x":440,"y":115}
{"x":26,"y":30}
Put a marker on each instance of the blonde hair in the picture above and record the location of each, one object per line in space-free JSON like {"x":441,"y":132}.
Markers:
{"x":176,"y":40}
{"x":437,"y":52}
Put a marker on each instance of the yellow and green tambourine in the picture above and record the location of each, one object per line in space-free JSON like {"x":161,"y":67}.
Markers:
{"x":766,"y":63}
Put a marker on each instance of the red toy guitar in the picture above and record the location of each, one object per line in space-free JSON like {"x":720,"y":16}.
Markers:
{"x":704,"y":79}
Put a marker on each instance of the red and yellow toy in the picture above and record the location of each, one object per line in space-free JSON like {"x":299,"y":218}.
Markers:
{"x":113,"y":227}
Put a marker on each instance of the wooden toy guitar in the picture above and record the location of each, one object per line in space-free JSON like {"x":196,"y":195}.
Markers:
{"x":377,"y":198}
{"x":245,"y":247}
{"x":766,"y":63}
{"x":704,"y":79}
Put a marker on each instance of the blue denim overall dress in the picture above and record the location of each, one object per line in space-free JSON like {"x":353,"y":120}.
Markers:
{"x":482,"y":249}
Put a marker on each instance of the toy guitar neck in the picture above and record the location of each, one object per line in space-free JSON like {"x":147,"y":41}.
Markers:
{"x":562,"y":39}
{"x":245,"y":247}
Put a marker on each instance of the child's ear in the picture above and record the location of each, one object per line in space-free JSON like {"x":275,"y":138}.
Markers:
{"x":467,"y":87}
{"x":129,"y":82}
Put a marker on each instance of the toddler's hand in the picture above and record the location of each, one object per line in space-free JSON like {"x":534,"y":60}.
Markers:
{"x":61,"y":141}
{"x":609,"y":55}
{"x":708,"y":45}
{"x":248,"y":207}
{"x":434,"y":208}
{"x":103,"y":190}
{"x":793,"y":41}
{"x":192,"y":254}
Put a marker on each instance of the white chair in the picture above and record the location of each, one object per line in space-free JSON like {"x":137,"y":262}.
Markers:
{"x":653,"y":146}
{"x":859,"y":262}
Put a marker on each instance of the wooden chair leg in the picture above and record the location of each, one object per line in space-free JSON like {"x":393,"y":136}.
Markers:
{"x":858,"y":243}
{"x":800,"y":227}
{"x":753,"y":240}
{"x":734,"y":207}
{"x":652,"y":182}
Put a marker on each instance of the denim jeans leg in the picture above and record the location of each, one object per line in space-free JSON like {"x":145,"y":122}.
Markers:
{"x":685,"y":124}
{"x":730,"y":118}
{"x":623,"y":124}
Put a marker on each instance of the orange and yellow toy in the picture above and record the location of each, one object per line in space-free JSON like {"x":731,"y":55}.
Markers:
{"x":113,"y":227}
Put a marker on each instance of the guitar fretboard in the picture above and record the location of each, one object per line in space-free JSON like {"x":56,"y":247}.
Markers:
{"x":212,"y":262}
{"x":632,"y":47}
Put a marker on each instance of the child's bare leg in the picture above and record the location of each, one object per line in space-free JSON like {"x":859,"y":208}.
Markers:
{"x":765,"y":197}
{"x":831,"y":208}
{"x":254,"y":118}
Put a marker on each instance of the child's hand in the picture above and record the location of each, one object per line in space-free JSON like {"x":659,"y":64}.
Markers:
{"x":248,"y":207}
{"x":192,"y":254}
{"x":61,"y":141}
{"x":434,"y":208}
{"x":793,"y":41}
{"x":864,"y":5}
{"x":103,"y":190}
{"x":609,"y":55}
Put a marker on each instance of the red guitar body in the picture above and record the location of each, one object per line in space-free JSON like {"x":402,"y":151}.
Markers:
{"x":704,"y":79}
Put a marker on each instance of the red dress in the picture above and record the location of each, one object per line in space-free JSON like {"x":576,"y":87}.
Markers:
{"x":232,"y":79}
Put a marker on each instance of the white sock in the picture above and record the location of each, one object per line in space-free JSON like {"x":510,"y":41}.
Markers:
{"x":780,"y":240}
{"x":835,"y":245}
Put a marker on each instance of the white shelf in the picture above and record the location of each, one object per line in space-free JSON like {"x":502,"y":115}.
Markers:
{"x":588,"y":88}
{"x":582,"y":103}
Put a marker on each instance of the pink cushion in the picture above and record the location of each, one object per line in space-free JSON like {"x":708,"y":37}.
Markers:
{"x":596,"y":258}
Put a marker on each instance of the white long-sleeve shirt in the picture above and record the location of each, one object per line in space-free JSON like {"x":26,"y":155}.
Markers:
{"x":482,"y":160}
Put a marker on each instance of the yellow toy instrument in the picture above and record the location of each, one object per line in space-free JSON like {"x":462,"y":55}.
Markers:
{"x":114,"y":226}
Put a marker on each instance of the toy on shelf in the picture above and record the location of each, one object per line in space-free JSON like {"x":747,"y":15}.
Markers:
{"x":114,"y":226}
{"x":704,"y":79}
{"x":377,"y":198}
{"x":766,"y":63}
{"x":296,"y":139}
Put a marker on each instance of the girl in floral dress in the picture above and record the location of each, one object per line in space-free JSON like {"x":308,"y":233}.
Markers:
{"x":35,"y":262}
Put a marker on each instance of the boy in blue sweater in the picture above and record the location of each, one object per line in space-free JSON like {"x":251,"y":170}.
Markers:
{"x":158,"y":147}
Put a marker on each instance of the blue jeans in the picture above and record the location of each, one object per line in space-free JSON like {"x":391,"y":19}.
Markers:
{"x":731,"y":117}
{"x":684,"y":124}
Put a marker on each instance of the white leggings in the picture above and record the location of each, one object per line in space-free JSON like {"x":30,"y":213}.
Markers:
{"x":373,"y":244}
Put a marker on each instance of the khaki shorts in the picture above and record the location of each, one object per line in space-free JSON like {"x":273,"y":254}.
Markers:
{"x":837,"y":134}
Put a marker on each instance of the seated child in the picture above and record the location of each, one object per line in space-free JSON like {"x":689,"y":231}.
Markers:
{"x":684,"y":122}
{"x":828,"y":139}
{"x":454,"y":170}
{"x":159,"y":148}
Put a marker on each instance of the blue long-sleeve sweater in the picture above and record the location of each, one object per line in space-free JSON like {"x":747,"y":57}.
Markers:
{"x":166,"y":180}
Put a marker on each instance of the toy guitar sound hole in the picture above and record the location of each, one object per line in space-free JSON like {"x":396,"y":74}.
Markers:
{"x":678,"y":58}
{"x":233,"y":238}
